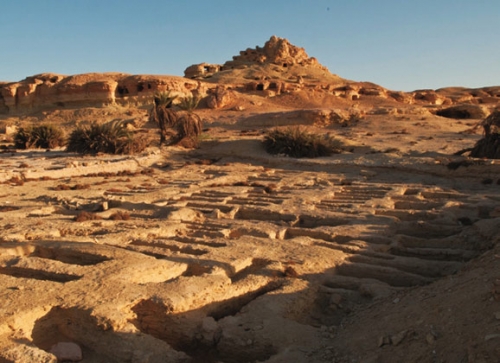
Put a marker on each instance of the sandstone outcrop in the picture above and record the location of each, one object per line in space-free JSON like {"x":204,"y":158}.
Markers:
{"x":277,"y":51}
{"x":202,"y":70}
{"x":311,"y":117}
{"x":220,"y":98}
{"x":430,"y":97}
{"x":464,"y":111}
{"x":47,"y":90}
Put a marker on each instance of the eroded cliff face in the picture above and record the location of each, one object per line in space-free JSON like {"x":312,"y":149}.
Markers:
{"x":48,"y":90}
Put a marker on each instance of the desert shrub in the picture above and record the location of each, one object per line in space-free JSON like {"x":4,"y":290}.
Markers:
{"x":86,"y":216}
{"x":164,"y":99}
{"x":188,"y":125}
{"x":41,"y":136}
{"x":111,"y":138}
{"x":162,"y":114}
{"x":120,"y":216}
{"x":183,"y":128}
{"x":298,"y":143}
{"x":487,"y":147}
{"x":69,"y":187}
{"x":189,"y":103}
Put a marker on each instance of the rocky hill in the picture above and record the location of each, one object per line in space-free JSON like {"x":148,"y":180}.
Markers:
{"x":277,"y":68}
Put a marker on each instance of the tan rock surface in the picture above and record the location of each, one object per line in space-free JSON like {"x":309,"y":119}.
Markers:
{"x":387,"y":252}
{"x":50,"y":91}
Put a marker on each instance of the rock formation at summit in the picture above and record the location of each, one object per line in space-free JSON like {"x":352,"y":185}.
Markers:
{"x":277,"y":51}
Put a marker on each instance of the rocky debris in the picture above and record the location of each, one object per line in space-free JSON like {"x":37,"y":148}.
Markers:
{"x":67,"y":351}
{"x":395,"y":339}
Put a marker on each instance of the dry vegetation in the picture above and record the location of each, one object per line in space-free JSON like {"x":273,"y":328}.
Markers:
{"x":174,"y":127}
{"x":42,"y":136}
{"x":111,"y":138}
{"x":298,"y":142}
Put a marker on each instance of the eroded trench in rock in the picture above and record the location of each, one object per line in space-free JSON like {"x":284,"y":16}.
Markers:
{"x":187,"y":332}
{"x":77,"y":326}
{"x":361,"y":242}
{"x":31,"y":262}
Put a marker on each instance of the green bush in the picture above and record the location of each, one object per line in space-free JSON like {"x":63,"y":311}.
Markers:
{"x":188,"y":125}
{"x":164,"y":99}
{"x":42,"y":136}
{"x":189,"y":103}
{"x":298,"y":143}
{"x":110,"y":138}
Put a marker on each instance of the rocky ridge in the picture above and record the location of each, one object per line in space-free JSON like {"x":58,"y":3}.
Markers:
{"x":277,"y":68}
{"x":55,"y":91}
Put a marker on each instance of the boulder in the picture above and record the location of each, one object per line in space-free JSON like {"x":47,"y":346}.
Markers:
{"x":221,"y":98}
{"x":67,"y":351}
{"x":202,"y":70}
{"x":465,"y":111}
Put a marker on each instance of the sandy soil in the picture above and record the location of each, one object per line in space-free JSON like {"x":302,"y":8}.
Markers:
{"x":385,"y":253}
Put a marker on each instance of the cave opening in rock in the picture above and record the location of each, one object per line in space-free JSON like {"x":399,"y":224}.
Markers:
{"x":122,"y":91}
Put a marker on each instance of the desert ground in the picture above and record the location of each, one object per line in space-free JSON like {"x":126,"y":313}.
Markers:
{"x":386,"y":252}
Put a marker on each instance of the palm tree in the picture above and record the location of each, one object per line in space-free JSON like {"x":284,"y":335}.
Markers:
{"x":189,"y":124}
{"x":163,"y":114}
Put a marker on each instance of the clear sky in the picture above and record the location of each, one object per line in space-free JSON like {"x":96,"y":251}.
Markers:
{"x":399,"y":44}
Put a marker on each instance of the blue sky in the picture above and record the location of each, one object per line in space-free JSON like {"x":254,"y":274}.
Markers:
{"x":399,"y":44}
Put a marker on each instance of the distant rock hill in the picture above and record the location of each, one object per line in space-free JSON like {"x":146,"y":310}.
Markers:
{"x":276,"y":68}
